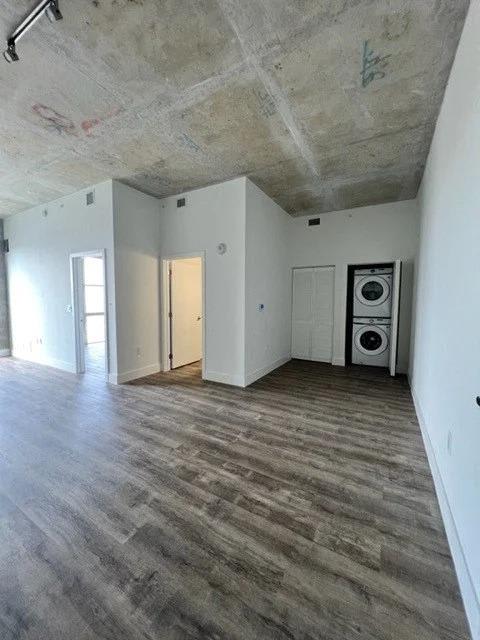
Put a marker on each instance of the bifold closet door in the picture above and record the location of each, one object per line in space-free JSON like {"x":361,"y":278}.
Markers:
{"x":312,"y":314}
{"x":322,"y":328}
{"x":302,"y":313}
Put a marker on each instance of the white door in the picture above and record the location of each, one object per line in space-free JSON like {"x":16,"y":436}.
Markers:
{"x":312,"y":314}
{"x":302,"y":313}
{"x":322,"y":330}
{"x":186,"y":311}
{"x":397,"y":280}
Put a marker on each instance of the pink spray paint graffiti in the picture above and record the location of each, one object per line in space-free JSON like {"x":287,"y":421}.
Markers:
{"x":60,"y":123}
{"x":63,"y":125}
{"x":88,"y":125}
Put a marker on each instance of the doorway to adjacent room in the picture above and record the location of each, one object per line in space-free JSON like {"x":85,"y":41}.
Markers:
{"x":183,"y":323}
{"x":89,"y":296}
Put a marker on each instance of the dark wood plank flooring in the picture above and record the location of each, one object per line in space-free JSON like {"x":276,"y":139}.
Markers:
{"x":95,"y":359}
{"x":301,"y":508}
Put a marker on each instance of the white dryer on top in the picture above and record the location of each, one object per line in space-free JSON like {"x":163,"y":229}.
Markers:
{"x":372,"y":292}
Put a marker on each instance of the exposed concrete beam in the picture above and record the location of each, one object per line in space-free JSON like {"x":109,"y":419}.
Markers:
{"x":250,"y":46}
{"x":4,"y":316}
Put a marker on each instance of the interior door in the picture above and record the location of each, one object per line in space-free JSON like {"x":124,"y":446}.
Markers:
{"x":312,"y":314}
{"x":302,"y":310}
{"x":186,"y":311}
{"x":396,"y":284}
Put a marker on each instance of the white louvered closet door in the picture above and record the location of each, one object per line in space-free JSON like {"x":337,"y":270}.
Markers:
{"x":312,"y":314}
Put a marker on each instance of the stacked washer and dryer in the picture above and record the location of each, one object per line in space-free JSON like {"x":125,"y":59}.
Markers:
{"x":372,"y":316}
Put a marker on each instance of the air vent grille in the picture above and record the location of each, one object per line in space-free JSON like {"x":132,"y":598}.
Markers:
{"x":181,"y":203}
{"x":314,"y":222}
{"x":90,"y":198}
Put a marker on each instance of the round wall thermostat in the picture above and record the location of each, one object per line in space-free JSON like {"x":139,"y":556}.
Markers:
{"x":221,"y":248}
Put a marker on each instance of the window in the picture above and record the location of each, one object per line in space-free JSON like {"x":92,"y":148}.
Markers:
{"x":94,"y":299}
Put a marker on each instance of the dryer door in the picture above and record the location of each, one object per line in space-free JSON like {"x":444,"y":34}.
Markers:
{"x":371,"y":340}
{"x":372,"y":290}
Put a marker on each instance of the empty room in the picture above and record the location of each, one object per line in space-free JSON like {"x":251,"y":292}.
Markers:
{"x":239,"y":308}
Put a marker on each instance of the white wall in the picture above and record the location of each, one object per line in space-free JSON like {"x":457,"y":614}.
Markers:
{"x":379,"y":233}
{"x":213,"y":215}
{"x":268,"y":281}
{"x":136,"y":225}
{"x":445,"y":374}
{"x":38,"y":266}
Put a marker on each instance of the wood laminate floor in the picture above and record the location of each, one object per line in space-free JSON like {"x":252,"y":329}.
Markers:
{"x":301,"y":508}
{"x":95,"y":359}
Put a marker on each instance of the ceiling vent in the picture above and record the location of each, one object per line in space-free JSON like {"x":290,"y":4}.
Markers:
{"x":90,"y":198}
{"x":314,"y":222}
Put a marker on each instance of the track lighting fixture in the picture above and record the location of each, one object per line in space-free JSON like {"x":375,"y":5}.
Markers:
{"x":52,"y":11}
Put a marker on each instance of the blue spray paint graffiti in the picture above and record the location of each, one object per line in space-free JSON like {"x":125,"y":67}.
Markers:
{"x":372,"y":65}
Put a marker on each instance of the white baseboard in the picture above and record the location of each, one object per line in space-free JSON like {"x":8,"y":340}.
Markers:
{"x":45,"y":360}
{"x":467,"y":587}
{"x":225,"y":378}
{"x":259,"y":373}
{"x":4,"y":353}
{"x":340,"y":362}
{"x":134,"y":374}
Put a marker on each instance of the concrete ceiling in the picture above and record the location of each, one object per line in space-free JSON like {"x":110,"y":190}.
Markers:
{"x":327,"y":104}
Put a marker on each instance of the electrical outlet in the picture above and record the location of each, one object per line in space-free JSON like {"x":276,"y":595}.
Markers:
{"x":139,"y":352}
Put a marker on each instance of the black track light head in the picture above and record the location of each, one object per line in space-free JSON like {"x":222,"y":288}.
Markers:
{"x":52,"y":11}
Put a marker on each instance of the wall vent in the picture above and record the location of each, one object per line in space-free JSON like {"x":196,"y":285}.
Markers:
{"x":181,"y":203}
{"x":5,"y":246}
{"x":90,"y":198}
{"x":314,"y":222}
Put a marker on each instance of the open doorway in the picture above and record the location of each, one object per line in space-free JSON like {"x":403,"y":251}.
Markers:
{"x":183,"y":316}
{"x":89,"y":296}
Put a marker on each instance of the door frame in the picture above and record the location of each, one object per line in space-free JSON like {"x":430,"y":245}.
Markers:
{"x":350,"y":266}
{"x":318,"y":266}
{"x":395,"y":328}
{"x":165,"y":307}
{"x":78,"y":307}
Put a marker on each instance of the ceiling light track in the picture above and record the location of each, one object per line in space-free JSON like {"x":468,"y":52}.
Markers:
{"x":52,"y":11}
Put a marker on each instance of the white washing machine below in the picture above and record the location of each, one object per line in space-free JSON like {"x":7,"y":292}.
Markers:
{"x":371,"y":341}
